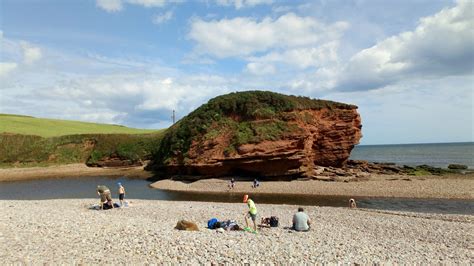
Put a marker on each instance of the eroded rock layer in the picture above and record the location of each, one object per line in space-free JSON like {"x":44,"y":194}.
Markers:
{"x":311,"y":138}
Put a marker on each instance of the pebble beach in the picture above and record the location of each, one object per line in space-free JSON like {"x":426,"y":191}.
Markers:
{"x":68,"y":232}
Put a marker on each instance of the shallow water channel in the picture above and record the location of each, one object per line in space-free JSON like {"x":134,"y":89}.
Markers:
{"x":84,"y":187}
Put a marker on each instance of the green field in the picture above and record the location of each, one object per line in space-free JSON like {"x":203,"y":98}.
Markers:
{"x":28,"y":141}
{"x":27,"y":125}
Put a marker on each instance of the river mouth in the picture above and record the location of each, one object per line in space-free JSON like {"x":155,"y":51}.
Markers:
{"x":85,"y":187}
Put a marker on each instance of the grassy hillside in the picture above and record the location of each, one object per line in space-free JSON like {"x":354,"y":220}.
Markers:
{"x":28,"y":150}
{"x":27,"y":125}
{"x":28,"y":141}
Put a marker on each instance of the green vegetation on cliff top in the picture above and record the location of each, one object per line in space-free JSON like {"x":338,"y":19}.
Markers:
{"x":237,"y":114}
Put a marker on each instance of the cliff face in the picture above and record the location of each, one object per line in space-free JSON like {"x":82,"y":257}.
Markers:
{"x":303,"y":140}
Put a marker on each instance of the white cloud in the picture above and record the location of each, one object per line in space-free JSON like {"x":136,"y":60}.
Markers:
{"x":31,"y":54}
{"x":428,"y":111}
{"x":256,"y":68}
{"x":95,"y":88}
{"x":148,"y":3}
{"x":133,"y":99}
{"x":7,"y":67}
{"x":162,"y":18}
{"x":118,"y":5}
{"x":238,"y":4}
{"x":110,"y":5}
{"x":16,"y":55}
{"x":101,"y":116}
{"x":440,"y":46}
{"x":302,"y":58}
{"x":244,"y":36}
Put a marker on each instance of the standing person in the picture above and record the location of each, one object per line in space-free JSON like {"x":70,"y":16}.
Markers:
{"x":255,"y":183}
{"x":105,"y":196}
{"x":301,"y":221}
{"x":232,"y":183}
{"x":252,"y":213}
{"x":121,"y":192}
{"x":352,"y":204}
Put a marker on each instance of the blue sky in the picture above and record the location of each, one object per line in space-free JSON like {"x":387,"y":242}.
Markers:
{"x":408,"y":65}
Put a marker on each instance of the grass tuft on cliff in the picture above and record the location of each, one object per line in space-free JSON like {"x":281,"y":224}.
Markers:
{"x":248,"y":117}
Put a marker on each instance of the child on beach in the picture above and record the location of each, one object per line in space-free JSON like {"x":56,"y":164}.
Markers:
{"x":352,"y":204}
{"x":252,"y":213}
{"x":121,"y":192}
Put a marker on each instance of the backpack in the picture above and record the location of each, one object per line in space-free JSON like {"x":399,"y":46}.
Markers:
{"x":273,"y":221}
{"x":211,"y":224}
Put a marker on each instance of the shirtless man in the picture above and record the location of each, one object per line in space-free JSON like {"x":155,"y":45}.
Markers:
{"x":121,"y":192}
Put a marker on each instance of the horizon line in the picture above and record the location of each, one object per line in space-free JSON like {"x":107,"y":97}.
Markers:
{"x":418,"y":143}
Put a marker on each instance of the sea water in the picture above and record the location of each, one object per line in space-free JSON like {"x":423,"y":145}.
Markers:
{"x":436,"y":154}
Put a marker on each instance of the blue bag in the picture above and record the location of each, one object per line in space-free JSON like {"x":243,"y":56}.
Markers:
{"x":211,"y":224}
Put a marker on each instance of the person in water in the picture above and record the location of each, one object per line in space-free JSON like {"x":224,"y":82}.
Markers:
{"x":252,"y":213}
{"x":121,"y":192}
{"x":105,"y":196}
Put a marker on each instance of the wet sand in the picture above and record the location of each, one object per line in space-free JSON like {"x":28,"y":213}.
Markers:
{"x":446,"y":187}
{"x":67,"y":232}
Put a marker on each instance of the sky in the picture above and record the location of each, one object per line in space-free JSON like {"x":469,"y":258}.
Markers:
{"x":408,"y":65}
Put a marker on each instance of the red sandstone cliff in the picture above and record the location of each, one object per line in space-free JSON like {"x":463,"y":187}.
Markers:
{"x":322,"y":137}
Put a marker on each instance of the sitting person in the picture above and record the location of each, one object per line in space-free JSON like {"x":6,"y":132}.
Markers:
{"x":265,"y":222}
{"x":108,"y":205}
{"x":301,"y":221}
{"x":229,"y":225}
